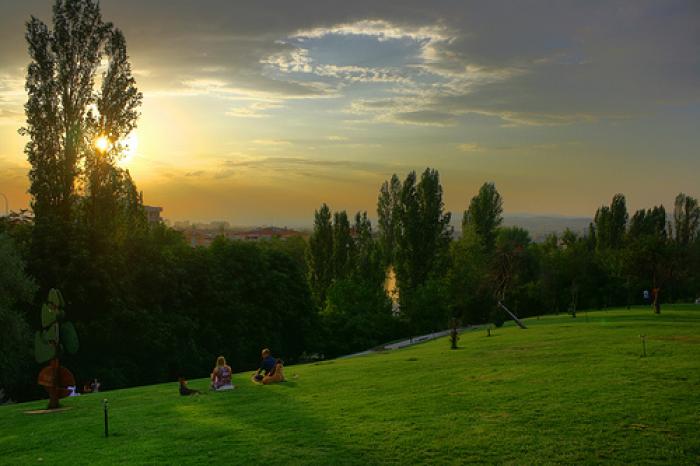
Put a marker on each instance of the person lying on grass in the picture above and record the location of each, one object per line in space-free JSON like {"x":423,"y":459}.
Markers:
{"x":185,"y":390}
{"x":221,"y":375}
{"x":272,"y":368}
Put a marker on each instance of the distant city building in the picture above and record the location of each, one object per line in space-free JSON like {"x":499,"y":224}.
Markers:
{"x":264,"y":233}
{"x":205,"y":234}
{"x":196,"y":237}
{"x":153,"y":213}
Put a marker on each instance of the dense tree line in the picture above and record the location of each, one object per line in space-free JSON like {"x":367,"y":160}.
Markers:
{"x":441,"y":278}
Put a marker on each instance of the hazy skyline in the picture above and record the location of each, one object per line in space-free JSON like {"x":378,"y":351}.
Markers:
{"x":258,"y":113}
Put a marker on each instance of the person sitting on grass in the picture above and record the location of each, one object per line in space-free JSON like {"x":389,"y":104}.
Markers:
{"x":221,"y":375}
{"x":272,"y":368}
{"x":185,"y":390}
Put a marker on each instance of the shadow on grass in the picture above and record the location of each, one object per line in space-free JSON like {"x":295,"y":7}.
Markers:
{"x":276,"y":427}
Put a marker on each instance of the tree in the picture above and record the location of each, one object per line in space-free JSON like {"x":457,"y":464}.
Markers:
{"x":686,"y":219}
{"x":485,"y":215}
{"x":618,"y":221}
{"x":422,"y":239}
{"x":551,"y":282}
{"x":648,"y":253}
{"x":611,"y":223}
{"x":16,"y":292}
{"x":356,"y":311}
{"x":648,"y":222}
{"x":423,"y":232}
{"x":319,"y":255}
{"x":62,"y":123}
{"x":480,"y":223}
{"x":367,"y":262}
{"x":511,"y":252}
{"x":470,"y":292}
{"x":387,"y":213}
{"x":343,"y":245}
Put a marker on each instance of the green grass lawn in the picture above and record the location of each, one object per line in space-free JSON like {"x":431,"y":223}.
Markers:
{"x":563,"y":391}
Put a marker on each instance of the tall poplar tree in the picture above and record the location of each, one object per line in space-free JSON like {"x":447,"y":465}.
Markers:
{"x":686,"y":219}
{"x":343,"y":245}
{"x":319,"y":255}
{"x":387,"y":212}
{"x":416,"y":228}
{"x":65,"y":114}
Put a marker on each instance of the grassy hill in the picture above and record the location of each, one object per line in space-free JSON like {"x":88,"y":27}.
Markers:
{"x":564,"y":391}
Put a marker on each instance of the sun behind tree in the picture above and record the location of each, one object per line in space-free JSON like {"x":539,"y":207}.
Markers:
{"x":102,"y":144}
{"x":77,"y":133}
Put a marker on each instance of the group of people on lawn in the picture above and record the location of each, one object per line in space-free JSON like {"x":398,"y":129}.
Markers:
{"x":271,"y":371}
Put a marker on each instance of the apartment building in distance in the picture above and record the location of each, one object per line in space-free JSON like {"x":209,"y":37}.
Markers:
{"x":204,"y":234}
{"x":153,"y":213}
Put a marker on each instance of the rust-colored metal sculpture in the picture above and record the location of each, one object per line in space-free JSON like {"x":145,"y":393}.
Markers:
{"x":55,"y":337}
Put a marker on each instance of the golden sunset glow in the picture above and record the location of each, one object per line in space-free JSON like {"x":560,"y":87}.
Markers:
{"x":129,"y":146}
{"x":262,"y":127}
{"x":102,"y":143}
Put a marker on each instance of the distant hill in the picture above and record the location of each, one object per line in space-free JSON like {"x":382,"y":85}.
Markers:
{"x":540,"y":226}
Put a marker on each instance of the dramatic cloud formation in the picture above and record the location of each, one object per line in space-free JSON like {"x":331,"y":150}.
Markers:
{"x":347,"y":92}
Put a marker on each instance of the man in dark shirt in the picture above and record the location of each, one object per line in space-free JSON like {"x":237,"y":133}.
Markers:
{"x":268,"y":366}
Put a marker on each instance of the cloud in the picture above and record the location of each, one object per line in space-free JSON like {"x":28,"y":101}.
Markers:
{"x":254,"y":110}
{"x":425,"y":117}
{"x":302,"y":166}
{"x":12,"y":96}
{"x":381,"y":29}
{"x":531,"y":64}
{"x":271,"y":142}
{"x":469,"y":147}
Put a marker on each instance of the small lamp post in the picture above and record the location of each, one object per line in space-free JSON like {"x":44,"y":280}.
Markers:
{"x":105,"y":406}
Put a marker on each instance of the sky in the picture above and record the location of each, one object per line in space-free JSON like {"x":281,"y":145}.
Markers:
{"x":258,"y":112}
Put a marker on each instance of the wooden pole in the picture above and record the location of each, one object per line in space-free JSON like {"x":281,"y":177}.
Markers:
{"x":105,"y":404}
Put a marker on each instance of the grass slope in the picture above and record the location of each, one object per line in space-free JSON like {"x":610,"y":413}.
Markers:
{"x":564,"y":391}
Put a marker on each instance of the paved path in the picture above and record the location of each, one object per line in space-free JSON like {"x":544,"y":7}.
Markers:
{"x":410,"y":342}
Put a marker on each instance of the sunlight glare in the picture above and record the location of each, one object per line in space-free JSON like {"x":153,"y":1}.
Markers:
{"x":102,"y":143}
{"x":130,"y":144}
